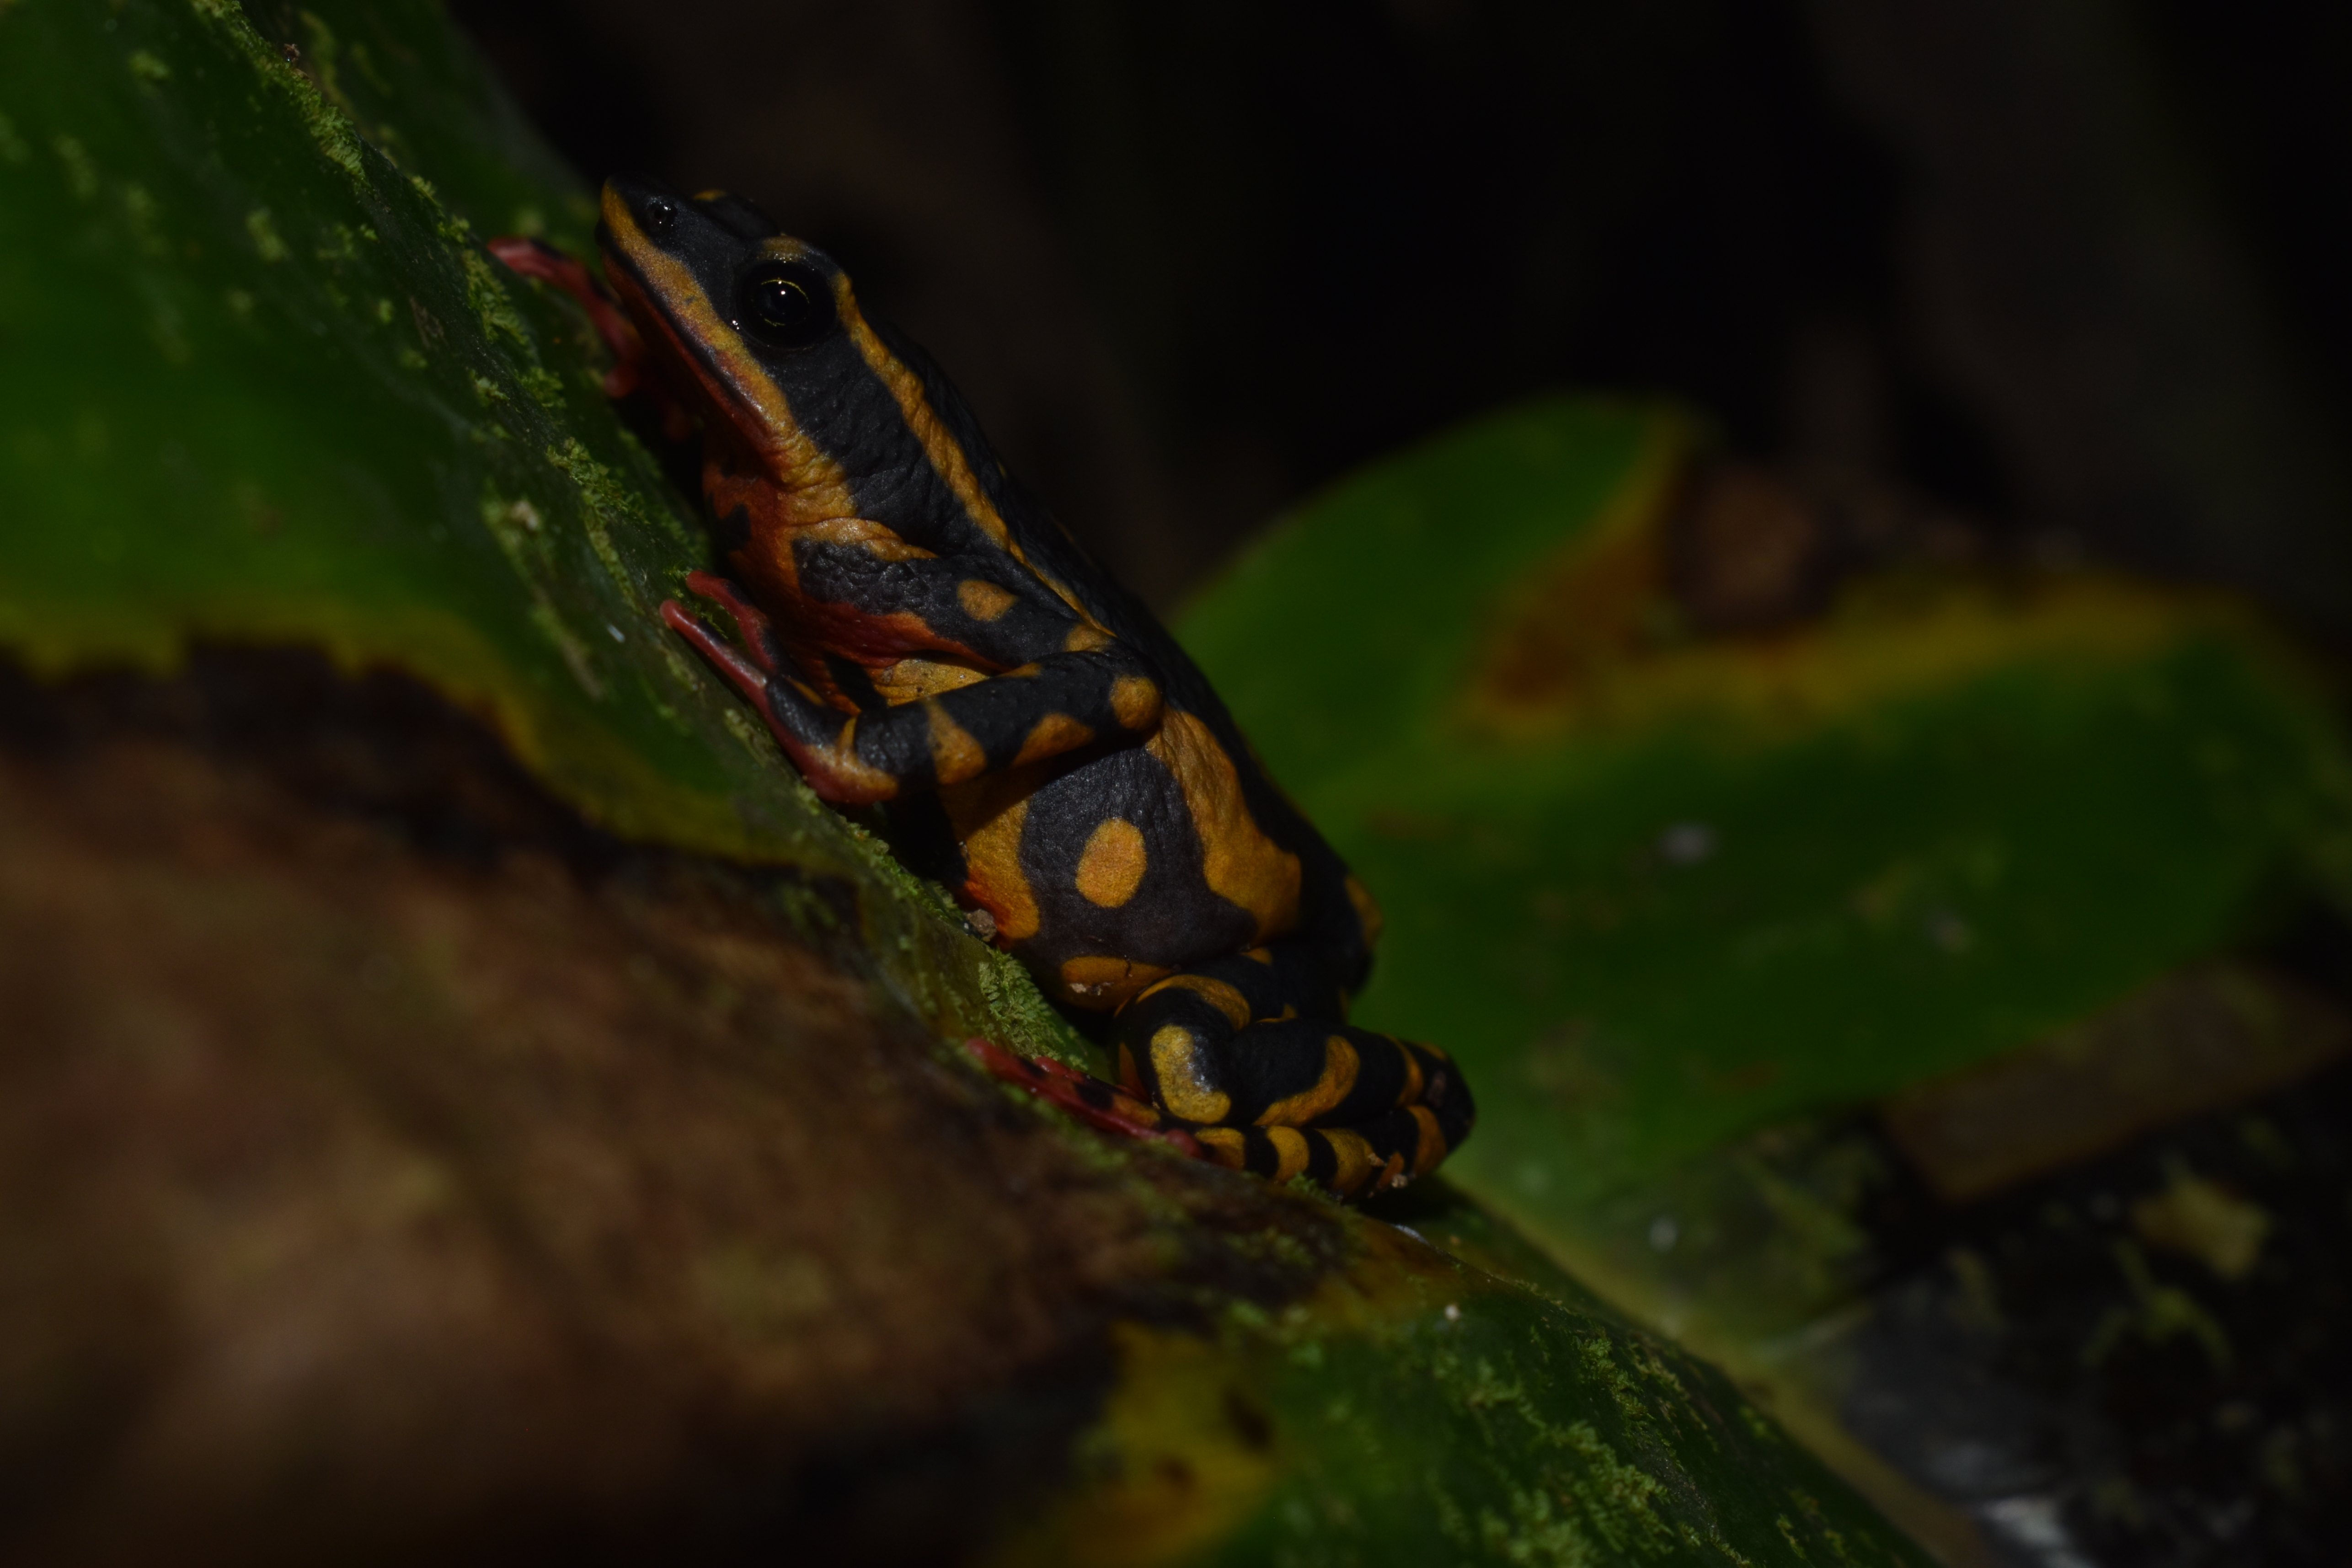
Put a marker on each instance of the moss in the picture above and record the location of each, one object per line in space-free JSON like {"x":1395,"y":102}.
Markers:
{"x":352,"y":434}
{"x":1418,"y":1410}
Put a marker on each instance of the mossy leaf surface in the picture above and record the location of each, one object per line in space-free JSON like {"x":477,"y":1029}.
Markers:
{"x":267,"y":388}
{"x":1421,"y":1408}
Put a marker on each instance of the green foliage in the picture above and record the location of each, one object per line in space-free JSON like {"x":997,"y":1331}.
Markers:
{"x":1421,"y":1410}
{"x":267,"y":388}
{"x":1654,"y":889}
{"x":1679,"y":904}
{"x":282,"y":392}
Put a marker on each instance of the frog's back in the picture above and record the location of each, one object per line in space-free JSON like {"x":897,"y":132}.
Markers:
{"x":1048,"y":550}
{"x":1251,"y":869}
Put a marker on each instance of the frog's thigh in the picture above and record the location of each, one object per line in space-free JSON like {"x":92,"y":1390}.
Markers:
{"x":1109,"y":856}
{"x":1342,"y":1105}
{"x":1292,"y":1095}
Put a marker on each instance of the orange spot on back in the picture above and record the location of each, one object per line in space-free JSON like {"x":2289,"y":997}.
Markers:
{"x":1111,"y":866}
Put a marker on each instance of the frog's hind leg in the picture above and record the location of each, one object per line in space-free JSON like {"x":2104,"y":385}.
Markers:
{"x":1364,"y":1110}
{"x":1090,"y":1100}
{"x":1225,"y":1050}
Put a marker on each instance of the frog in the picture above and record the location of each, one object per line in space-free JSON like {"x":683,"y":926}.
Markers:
{"x":926,"y":642}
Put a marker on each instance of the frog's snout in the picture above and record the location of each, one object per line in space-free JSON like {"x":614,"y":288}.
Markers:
{"x":632,"y":203}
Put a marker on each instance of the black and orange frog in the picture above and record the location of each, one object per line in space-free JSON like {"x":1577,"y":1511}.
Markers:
{"x":922,"y":637}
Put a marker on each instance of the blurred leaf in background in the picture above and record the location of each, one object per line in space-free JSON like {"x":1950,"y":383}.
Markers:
{"x":1673,"y":886}
{"x":1679,"y":895}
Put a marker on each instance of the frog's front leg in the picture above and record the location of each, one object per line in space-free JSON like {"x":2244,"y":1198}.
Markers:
{"x":532,"y":258}
{"x":1235,"y":1051}
{"x":1051,"y":705}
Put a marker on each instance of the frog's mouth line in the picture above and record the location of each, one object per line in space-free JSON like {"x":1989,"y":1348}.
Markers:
{"x":741,"y":407}
{"x":639,"y":298}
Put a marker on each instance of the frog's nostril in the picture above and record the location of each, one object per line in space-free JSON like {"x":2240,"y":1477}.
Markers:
{"x":660,"y":215}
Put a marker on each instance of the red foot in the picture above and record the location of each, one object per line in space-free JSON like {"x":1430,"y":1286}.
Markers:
{"x":746,"y":670}
{"x":535,"y":258}
{"x":759,"y":633}
{"x":732,"y":662}
{"x":1089,"y":1100}
{"x":827,"y":774}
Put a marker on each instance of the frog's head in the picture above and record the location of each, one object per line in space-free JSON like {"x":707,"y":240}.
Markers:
{"x":799,"y":398}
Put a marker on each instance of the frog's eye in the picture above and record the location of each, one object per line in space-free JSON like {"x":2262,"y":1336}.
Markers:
{"x":786,"y":305}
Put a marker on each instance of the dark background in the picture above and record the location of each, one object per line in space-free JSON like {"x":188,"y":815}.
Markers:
{"x":2073,"y":267}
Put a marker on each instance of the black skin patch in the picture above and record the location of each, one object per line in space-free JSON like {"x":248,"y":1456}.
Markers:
{"x":732,"y":531}
{"x":1170,"y":918}
{"x":1036,"y":622}
{"x":920,"y":832}
{"x":853,"y":680}
{"x":932,"y":551}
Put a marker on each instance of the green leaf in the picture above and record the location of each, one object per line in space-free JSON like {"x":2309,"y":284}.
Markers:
{"x":1420,"y":1409}
{"x":267,"y":388}
{"x":1679,"y":905}
{"x":1654,"y":889}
